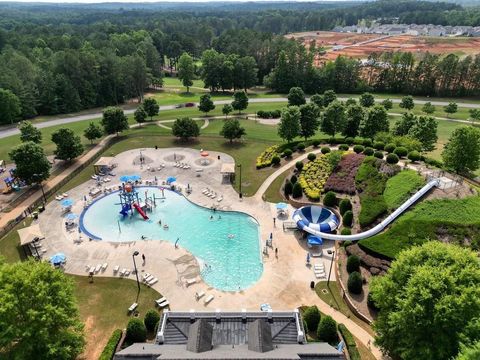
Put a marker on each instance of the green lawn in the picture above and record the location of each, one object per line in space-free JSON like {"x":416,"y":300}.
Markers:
{"x":456,"y":221}
{"x":10,"y":249}
{"x":103,"y":307}
{"x":400,"y":187}
{"x":273,"y":194}
{"x":461,"y":114}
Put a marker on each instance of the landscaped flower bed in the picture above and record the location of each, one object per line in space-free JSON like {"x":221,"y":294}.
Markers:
{"x":313,"y":177}
{"x":342,"y":180}
{"x":265,"y":158}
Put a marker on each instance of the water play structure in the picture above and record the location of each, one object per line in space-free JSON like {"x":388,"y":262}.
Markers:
{"x":130,"y":200}
{"x":313,"y":224}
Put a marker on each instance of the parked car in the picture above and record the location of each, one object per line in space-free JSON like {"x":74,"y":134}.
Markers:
{"x":190,"y":104}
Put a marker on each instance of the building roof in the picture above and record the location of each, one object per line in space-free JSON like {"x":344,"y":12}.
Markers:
{"x":228,"y":168}
{"x":29,"y":234}
{"x":104,"y":161}
{"x":200,"y":336}
{"x":260,"y":336}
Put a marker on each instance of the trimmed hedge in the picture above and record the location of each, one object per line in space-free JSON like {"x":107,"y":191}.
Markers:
{"x":378,"y":145}
{"x":355,"y":283}
{"x":287,"y":152}
{"x":346,"y":231}
{"x":349,"y":140}
{"x":367,"y":142}
{"x":325,"y":150}
{"x":344,"y":206}
{"x":330,"y":199}
{"x":389,"y":148}
{"x":312,"y":317}
{"x":293,"y":179}
{"x":311,"y":156}
{"x":378,"y":154}
{"x":136,"y":331}
{"x":315,"y":143}
{"x":358,"y":148}
{"x":349,"y":342}
{"x":353,"y":263}
{"x":299,"y":165}
{"x":269,"y":114}
{"x":265,"y":158}
{"x":368,"y":151}
{"x":392,"y":159}
{"x":301,"y":146}
{"x":343,"y":147}
{"x":288,"y":188}
{"x":327,"y":330}
{"x":400,"y":151}
{"x":348,"y":218}
{"x":275,"y":160}
{"x":151,"y":319}
{"x":297,"y":190}
{"x":109,"y":349}
{"x":414,"y":156}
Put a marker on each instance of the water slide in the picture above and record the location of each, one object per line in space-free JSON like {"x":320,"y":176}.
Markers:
{"x":140,"y":211}
{"x":375,"y":230}
{"x":125,"y":209}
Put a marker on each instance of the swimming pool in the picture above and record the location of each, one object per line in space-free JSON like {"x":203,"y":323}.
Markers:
{"x":228,"y":242}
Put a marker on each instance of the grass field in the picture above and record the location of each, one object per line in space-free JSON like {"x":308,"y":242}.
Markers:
{"x":455,"y":221}
{"x":273,"y":194}
{"x":400,"y":187}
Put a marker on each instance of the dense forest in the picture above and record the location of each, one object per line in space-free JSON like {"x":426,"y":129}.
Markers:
{"x":64,"y":58}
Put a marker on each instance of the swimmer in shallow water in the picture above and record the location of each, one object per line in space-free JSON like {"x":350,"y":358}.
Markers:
{"x":219,"y":217}
{"x":143,"y":237}
{"x":211,"y":217}
{"x":160,"y":222}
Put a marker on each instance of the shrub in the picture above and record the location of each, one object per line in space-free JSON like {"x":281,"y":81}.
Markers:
{"x":311,"y":156}
{"x":288,"y":188}
{"x":299,"y":165}
{"x":136,"y":331}
{"x":349,"y":342}
{"x":330,"y":199}
{"x":414,"y":156}
{"x":358,"y":149}
{"x":378,"y":154}
{"x":348,"y":218}
{"x":349,"y":140}
{"x":276,"y":160}
{"x":344,"y":206}
{"x":297,"y":190}
{"x":378,"y":145}
{"x":293,"y":179}
{"x":315,"y":143}
{"x":287,"y":152}
{"x":151,"y":319}
{"x":389,"y":148}
{"x":312,"y":317}
{"x":313,"y":177}
{"x":275,"y":114}
{"x":325,"y":150}
{"x":265,"y":158}
{"x":342,"y":179}
{"x":353,"y":263}
{"x":346,"y":231}
{"x":368,"y":151}
{"x":301,"y":146}
{"x":355,"y":282}
{"x":347,"y":243}
{"x":392,"y":159}
{"x":367,"y":142}
{"x":327,"y":330}
{"x":400,"y":151}
{"x":343,"y":147}
{"x":371,"y":303}
{"x":109,"y":349}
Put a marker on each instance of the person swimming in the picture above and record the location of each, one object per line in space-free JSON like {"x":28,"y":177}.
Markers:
{"x":211,"y":217}
{"x":160,"y":222}
{"x":176,"y":243}
{"x":143,"y":237}
{"x":231,"y":236}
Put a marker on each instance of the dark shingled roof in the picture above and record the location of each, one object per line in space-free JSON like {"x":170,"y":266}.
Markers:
{"x":259,"y":336}
{"x":200,"y":336}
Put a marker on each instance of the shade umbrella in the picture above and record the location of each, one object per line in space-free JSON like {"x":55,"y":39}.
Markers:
{"x":204,"y":153}
{"x":314,"y":240}
{"x":281,"y":206}
{"x":71,"y":216}
{"x":125,"y":178}
{"x":135,"y":177}
{"x":171,"y":179}
{"x":58,"y":258}
{"x":67,"y":202}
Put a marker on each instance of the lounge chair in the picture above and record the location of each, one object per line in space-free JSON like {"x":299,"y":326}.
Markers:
{"x":98,"y":267}
{"x":115,"y":269}
{"x":189,"y":282}
{"x":199,"y":295}
{"x":132,"y":307}
{"x":208,"y":299}
{"x":145,"y":276}
{"x":104,"y":266}
{"x":320,"y":276}
{"x":122,"y":272}
{"x":164,"y":304}
{"x":87,"y":268}
{"x":152,"y":282}
{"x":161,"y":300}
{"x":220,"y":198}
{"x":148,"y":278}
{"x":59,"y":197}
{"x":127,"y":273}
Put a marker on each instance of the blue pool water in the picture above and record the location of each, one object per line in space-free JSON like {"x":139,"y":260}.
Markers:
{"x":228,"y":243}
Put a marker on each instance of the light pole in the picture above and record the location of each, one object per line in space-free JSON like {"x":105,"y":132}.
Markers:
{"x":330,"y":252}
{"x":41,"y":186}
{"x":136,"y":273}
{"x":240,"y":184}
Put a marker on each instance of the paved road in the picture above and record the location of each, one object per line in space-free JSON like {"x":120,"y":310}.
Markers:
{"x":9,"y":131}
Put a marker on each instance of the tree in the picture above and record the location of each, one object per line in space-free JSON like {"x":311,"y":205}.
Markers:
{"x":387,"y":104}
{"x":297,"y":190}
{"x":462,"y":151}
{"x":289,"y":126}
{"x":140,"y":115}
{"x":311,"y":316}
{"x":32,"y":165}
{"x":329,"y":96}
{"x":425,"y":131}
{"x":296,"y":97}
{"x":69,"y":145}
{"x":451,"y":108}
{"x":407,"y":102}
{"x":206,"y":104}
{"x":375,"y":121}
{"x":354,"y":283}
{"x":114,"y":120}
{"x":39,"y":314}
{"x":240,"y":101}
{"x":402,"y":127}
{"x":309,"y":119}
{"x":428,"y":108}
{"x":185,"y":128}
{"x":327,"y":330}
{"x":353,"y":263}
{"x":136,"y":331}
{"x":227,"y":109}
{"x":93,"y":131}
{"x":474,"y":114}
{"x":10,"y":108}
{"x":232,"y":130}
{"x":354,"y":117}
{"x":317,"y":99}
{"x":28,"y":132}
{"x":151,"y":319}
{"x":367,"y":100}
{"x":151,"y":107}
{"x":470,"y":353}
{"x":428,"y":299}
{"x":186,"y":70}
{"x":334,"y":118}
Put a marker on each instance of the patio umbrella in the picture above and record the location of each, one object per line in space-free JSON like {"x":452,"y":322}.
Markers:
{"x":135,"y":177}
{"x":67,"y":202}
{"x":281,"y":206}
{"x":71,"y":216}
{"x":204,"y":153}
{"x":58,"y":258}
{"x":314,"y":240}
{"x":171,"y":179}
{"x":125,"y":178}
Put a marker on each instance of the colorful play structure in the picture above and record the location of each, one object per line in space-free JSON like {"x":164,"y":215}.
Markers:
{"x":12,"y":183}
{"x":130,"y":200}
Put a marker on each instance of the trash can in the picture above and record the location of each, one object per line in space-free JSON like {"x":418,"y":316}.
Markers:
{"x":312,"y":285}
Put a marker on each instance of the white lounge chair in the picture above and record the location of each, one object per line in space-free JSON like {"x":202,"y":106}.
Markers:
{"x":104,"y":266}
{"x":208,"y":299}
{"x":320,"y":276}
{"x":115,"y":269}
{"x":164,"y":304}
{"x":145,"y":276}
{"x":59,"y":197}
{"x":199,"y":295}
{"x":127,"y":273}
{"x":161,"y":300}
{"x":189,"y":282}
{"x":87,"y":268}
{"x":132,"y":307}
{"x":152,"y":282}
{"x":149,"y":278}
{"x":122,"y":272}
{"x":98,"y":267}
{"x":220,"y":198}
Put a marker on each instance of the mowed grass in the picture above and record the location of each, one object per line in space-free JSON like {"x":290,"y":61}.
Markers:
{"x":103,"y":307}
{"x":461,"y":114}
{"x":400,"y":187}
{"x":456,"y":221}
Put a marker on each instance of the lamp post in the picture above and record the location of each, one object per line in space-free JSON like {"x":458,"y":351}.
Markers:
{"x":240,"y":184}
{"x":41,"y":186}
{"x":136,"y":273}
{"x":330,"y":252}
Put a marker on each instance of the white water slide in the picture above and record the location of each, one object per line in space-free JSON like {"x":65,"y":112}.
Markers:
{"x":375,"y":230}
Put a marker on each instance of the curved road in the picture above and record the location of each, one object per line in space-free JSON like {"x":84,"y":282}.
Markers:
{"x":9,"y":131}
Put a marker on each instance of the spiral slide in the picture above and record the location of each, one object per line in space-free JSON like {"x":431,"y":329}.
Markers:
{"x":318,"y":230}
{"x":140,"y":211}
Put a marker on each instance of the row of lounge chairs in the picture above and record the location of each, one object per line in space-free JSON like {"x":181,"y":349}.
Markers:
{"x":153,"y":169}
{"x":207,"y":298}
{"x":95,"y":269}
{"x":182,"y":165}
{"x":162,"y":302}
{"x":319,"y":270}
{"x":211,"y":194}
{"x":149,"y":279}
{"x":60,"y":197}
